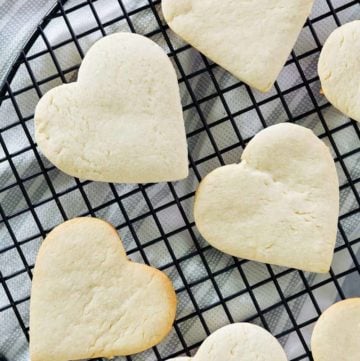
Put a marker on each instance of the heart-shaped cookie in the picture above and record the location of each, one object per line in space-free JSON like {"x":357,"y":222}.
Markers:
{"x":239,"y":341}
{"x":88,"y":300}
{"x":336,"y":333}
{"x":252,"y":39}
{"x":339,"y":69}
{"x":121,"y":121}
{"x":280,"y":205}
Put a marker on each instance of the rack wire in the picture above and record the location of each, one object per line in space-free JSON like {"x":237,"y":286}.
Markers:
{"x":156,"y":221}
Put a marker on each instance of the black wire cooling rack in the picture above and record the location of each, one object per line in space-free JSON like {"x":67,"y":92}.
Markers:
{"x":155,"y":221}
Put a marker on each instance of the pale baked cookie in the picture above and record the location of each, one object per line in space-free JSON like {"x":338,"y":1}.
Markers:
{"x":121,"y":121}
{"x":280,"y":205}
{"x":239,"y":341}
{"x":88,"y":300}
{"x":339,"y":69}
{"x":336,"y":336}
{"x":252,"y":39}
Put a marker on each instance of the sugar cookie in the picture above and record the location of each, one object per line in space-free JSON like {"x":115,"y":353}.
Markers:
{"x":88,"y":300}
{"x":252,"y":39}
{"x":121,"y":121}
{"x":339,"y":69}
{"x":280,"y":205}
{"x":336,"y":335}
{"x":239,"y":341}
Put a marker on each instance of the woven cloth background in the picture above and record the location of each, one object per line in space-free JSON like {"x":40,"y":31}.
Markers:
{"x":24,"y":224}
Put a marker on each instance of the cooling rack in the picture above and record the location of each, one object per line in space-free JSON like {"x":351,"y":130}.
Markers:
{"x":155,"y":221}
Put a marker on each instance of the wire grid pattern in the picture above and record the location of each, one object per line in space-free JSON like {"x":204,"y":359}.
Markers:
{"x":155,"y":221}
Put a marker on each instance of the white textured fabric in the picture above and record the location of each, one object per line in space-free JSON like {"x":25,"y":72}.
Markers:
{"x":18,"y":20}
{"x":25,"y":225}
